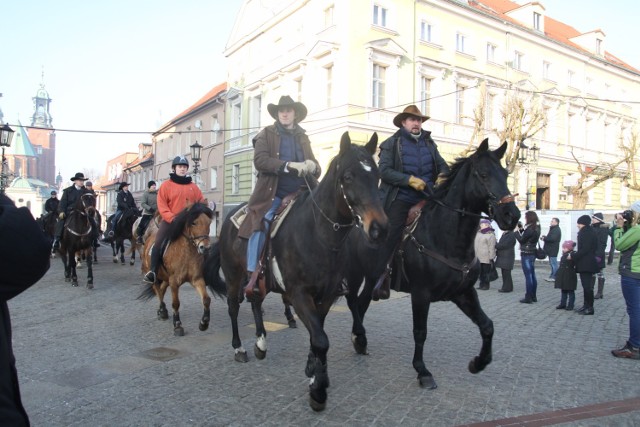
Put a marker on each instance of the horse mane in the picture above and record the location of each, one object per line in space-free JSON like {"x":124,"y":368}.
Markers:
{"x":187,"y":216}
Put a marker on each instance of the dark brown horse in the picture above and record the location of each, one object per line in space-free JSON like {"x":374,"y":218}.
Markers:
{"x":124,"y":231}
{"x":306,"y":256}
{"x":77,"y":237}
{"x":182,"y":262}
{"x":47,"y":223}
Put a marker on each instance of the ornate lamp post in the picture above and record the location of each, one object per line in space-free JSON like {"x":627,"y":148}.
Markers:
{"x":528,"y":156}
{"x":196,"y":150}
{"x":6,"y":135}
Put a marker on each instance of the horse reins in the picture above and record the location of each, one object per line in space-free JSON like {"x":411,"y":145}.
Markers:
{"x":336,"y":226}
{"x":83,"y":213}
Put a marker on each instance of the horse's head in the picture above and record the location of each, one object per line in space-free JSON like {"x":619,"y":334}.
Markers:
{"x":193,"y":223}
{"x":87,"y":204}
{"x":357,"y":179}
{"x":486,"y":187}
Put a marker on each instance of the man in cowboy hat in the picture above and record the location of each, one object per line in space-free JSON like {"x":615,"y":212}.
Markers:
{"x":284,"y":160}
{"x":70,"y":196}
{"x":409,"y":163}
{"x":124,"y":201}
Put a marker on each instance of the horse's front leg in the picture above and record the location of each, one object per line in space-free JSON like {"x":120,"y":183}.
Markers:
{"x":358,"y":305}
{"x":115,"y":252}
{"x":132,"y":261}
{"x":470,"y":305}
{"x":420,"y":308}
{"x":178,"y":330}
{"x":90,"y":271}
{"x":161,"y":289}
{"x":260,"y":348}
{"x":72,"y":268}
{"x":121,"y":246}
{"x":67,"y":268}
{"x":206,"y":302}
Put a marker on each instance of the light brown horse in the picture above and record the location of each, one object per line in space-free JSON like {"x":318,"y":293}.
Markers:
{"x":182,"y":261}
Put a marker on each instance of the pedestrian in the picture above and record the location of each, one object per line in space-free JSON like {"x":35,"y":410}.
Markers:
{"x":124,"y":201}
{"x":566,"y":278}
{"x":175,"y":194}
{"x":627,"y":241}
{"x":149,"y":205}
{"x":70,"y":196}
{"x":409,"y":163}
{"x":285,"y":163}
{"x":528,"y":236}
{"x":597,"y":222}
{"x":552,"y":246}
{"x":485,"y":248}
{"x":585,"y":261}
{"x":505,"y":258}
{"x":24,"y":259}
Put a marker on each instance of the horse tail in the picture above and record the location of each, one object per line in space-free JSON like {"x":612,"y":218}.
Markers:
{"x":147,"y":293}
{"x":211,"y":271}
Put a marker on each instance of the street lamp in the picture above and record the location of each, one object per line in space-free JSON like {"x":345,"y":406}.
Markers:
{"x":196,"y":150}
{"x":528,"y":156}
{"x":6,"y":135}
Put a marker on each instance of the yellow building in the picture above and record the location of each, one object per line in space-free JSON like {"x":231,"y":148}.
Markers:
{"x":355,"y":64}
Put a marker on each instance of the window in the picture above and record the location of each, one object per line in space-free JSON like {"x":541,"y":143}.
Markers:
{"x":598,"y":46}
{"x":426,"y":32}
{"x":379,"y":15}
{"x":235,"y":179}
{"x":518,"y":60}
{"x":546,"y":70}
{"x":537,"y":21}
{"x":461,"y":41}
{"x":329,"y":83}
{"x":459,"y":104}
{"x":213,"y":178}
{"x":254,"y":114}
{"x":328,"y":17}
{"x":236,"y":119}
{"x":571,"y":77}
{"x":425,"y":95}
{"x":491,"y":52}
{"x":378,"y":82}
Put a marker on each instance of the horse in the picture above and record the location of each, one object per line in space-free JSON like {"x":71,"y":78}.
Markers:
{"x":82,"y":255}
{"x":438,"y":260}
{"x":77,"y":237}
{"x":121,"y":232}
{"x":183,"y":256}
{"x":306,"y":259}
{"x":47,"y":223}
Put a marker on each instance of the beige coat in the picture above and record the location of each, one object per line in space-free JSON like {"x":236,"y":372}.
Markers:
{"x":485,"y":247}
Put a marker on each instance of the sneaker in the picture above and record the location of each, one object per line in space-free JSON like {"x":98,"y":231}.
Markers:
{"x":627,"y":352}
{"x":549,"y":279}
{"x":150,"y":277}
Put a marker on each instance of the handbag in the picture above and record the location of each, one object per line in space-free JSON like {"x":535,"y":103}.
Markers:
{"x":540,"y":254}
{"x":493,"y":273}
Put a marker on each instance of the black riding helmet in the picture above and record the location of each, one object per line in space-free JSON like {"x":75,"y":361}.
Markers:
{"x":179,"y":160}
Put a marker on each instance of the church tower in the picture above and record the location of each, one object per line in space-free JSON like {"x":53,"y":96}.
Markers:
{"x":43,"y":136}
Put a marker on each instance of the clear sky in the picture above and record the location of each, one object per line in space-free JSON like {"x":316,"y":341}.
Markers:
{"x":133,"y":65}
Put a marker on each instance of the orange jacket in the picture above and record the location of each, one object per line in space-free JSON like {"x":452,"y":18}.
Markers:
{"x":173,"y":198}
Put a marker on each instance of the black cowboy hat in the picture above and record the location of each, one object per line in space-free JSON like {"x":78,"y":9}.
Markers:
{"x":79,"y":175}
{"x":122,"y":185}
{"x":411,"y":110}
{"x":286,"y":101}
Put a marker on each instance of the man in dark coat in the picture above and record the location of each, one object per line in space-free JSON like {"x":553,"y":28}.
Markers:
{"x":51,"y":205}
{"x":70,"y":197}
{"x":585,"y":261}
{"x":597,"y":222}
{"x":505,"y":258}
{"x":283,"y":157}
{"x":552,"y":247}
{"x":124,"y":201}
{"x":24,"y":259}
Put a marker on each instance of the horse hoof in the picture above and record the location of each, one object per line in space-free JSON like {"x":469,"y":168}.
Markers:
{"x":293,"y":324}
{"x":122,"y":263}
{"x":203,"y":326}
{"x":428,"y":382}
{"x":90,"y":284}
{"x":241,"y":357}
{"x":259,"y":353}
{"x":178,"y":332}
{"x":132,"y":262}
{"x":163,"y":314}
{"x":115,"y":261}
{"x":74,"y":284}
{"x":67,"y":279}
{"x":317,"y":405}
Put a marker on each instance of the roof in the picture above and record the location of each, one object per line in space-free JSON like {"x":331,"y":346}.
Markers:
{"x":555,"y":30}
{"x":41,"y":187}
{"x":209,"y":96}
{"x":21,"y":144}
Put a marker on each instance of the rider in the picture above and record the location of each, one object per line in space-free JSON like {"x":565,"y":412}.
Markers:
{"x":51,"y":205}
{"x":174,"y":195}
{"x":70,"y":196}
{"x":89,"y":186}
{"x":282,"y":156}
{"x":124,"y":201}
{"x":409,"y":162}
{"x":149,"y":203}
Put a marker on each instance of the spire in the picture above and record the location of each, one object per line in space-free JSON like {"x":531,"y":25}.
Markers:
{"x":41,"y":114}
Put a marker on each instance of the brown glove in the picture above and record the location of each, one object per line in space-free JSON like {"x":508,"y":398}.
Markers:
{"x":416,"y":183}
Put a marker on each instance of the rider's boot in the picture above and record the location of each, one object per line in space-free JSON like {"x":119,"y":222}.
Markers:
{"x":382,"y":289}
{"x":252,"y":288}
{"x":343,"y":288}
{"x":56,"y":244}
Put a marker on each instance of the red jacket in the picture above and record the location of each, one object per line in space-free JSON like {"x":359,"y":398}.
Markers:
{"x":173,"y":198}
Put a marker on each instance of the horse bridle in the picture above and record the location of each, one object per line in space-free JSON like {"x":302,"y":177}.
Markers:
{"x":85,"y":214}
{"x":336,"y":226}
{"x":195,"y":240}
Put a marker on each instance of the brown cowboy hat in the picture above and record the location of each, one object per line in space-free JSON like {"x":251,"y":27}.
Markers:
{"x":286,"y":101}
{"x":79,"y":175}
{"x":411,"y":110}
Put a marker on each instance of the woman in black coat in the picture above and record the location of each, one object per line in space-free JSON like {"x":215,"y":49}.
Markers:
{"x":528,"y":238}
{"x":24,"y":259}
{"x":585,"y":261}
{"x":505,"y":258}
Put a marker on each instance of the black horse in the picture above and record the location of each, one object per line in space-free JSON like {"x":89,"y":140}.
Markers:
{"x":47,"y":223}
{"x":77,"y":237}
{"x":307,"y":261}
{"x":438,"y":260}
{"x":123,"y":231}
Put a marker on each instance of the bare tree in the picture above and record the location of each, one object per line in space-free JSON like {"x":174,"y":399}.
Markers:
{"x":590,"y":178}
{"x":630,"y":149}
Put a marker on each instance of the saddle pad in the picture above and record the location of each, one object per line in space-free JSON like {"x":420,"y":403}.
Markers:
{"x":239,"y":217}
{"x":277,"y":221}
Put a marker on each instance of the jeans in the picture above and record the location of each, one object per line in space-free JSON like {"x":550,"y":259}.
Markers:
{"x":553,"y":262}
{"x":631,"y":293}
{"x":568,"y":298}
{"x":256,"y":241}
{"x":529,"y":269}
